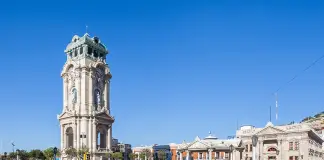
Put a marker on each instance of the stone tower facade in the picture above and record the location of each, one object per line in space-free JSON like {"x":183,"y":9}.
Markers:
{"x":85,"y":120}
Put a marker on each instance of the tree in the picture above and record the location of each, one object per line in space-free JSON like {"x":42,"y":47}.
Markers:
{"x":71,"y":152}
{"x":36,"y":154}
{"x":147,"y":153}
{"x":109,"y":154}
{"x":81,"y":152}
{"x":142,"y":156}
{"x":49,"y":153}
{"x":117,"y":156}
{"x":132,"y":156}
{"x":162,"y":155}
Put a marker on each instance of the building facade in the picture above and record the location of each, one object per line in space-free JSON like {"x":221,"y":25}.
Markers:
{"x":210,"y":148}
{"x":85,"y":120}
{"x":138,"y":150}
{"x":287,"y":142}
{"x":165,"y":149}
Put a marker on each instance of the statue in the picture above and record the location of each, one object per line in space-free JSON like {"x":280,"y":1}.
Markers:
{"x":74,"y":95}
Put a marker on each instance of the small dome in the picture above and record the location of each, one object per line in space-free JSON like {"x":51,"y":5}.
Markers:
{"x":269,"y":124}
{"x":86,"y":34}
{"x":210,"y":136}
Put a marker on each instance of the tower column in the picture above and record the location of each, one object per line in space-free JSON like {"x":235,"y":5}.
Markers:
{"x":89,"y":138}
{"x":65,"y":92}
{"x":78,"y":84}
{"x":91,"y":76}
{"x":62,"y":137}
{"x":94,"y":136}
{"x":75,"y":137}
{"x":109,"y":137}
{"x":79,"y":133}
{"x":106,"y":96}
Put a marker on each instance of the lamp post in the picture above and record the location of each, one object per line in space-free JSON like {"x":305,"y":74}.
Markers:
{"x":17,"y":153}
{"x":54,"y":151}
{"x":254,"y":143}
{"x":231,"y":148}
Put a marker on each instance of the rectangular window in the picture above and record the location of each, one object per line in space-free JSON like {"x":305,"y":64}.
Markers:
{"x":246,"y":148}
{"x":200,"y":156}
{"x":81,"y":50}
{"x":217,"y":155}
{"x":297,"y":145}
{"x":296,"y":157}
{"x":226,"y":155}
{"x":89,"y":50}
{"x":291,"y":145}
{"x":291,"y":158}
{"x":250,"y":147}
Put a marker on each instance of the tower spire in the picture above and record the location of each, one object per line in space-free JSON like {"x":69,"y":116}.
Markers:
{"x":86,"y":28}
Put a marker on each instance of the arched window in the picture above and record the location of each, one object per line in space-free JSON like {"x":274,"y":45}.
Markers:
{"x":97,"y":96}
{"x":74,"y":95}
{"x":272,"y":149}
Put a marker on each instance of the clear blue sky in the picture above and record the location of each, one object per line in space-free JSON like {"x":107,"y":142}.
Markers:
{"x":180,"y":68}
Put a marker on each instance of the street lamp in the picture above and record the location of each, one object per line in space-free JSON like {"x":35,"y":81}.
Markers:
{"x":54,"y":151}
{"x":231,"y":148}
{"x":18,"y":151}
{"x":254,"y":143}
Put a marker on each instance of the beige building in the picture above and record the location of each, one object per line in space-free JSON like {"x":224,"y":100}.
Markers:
{"x":287,"y":142}
{"x":85,"y":120}
{"x":210,"y":148}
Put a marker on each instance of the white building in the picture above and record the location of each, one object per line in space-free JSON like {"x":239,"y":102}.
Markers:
{"x":85,"y":119}
{"x":287,"y":142}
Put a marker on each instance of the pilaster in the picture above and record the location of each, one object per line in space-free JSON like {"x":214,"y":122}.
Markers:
{"x":75,"y":137}
{"x":106,"y":95}
{"x":210,"y":154}
{"x":94,"y":131}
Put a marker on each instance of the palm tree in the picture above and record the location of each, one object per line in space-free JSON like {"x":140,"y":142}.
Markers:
{"x":147,"y":153}
{"x":132,"y":156}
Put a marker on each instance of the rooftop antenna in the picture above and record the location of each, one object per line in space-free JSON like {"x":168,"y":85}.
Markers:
{"x":270,"y":114}
{"x":276,"y":106}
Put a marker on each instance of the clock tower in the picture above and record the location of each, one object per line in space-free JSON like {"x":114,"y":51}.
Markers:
{"x":86,"y":122}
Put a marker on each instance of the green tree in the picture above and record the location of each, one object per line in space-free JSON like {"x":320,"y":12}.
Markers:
{"x":49,"y":153}
{"x":147,"y":153}
{"x":117,"y":156}
{"x":132,"y":156}
{"x":36,"y":154}
{"x":71,"y":152}
{"x":81,"y":152}
{"x":12,"y":155}
{"x":109,"y":154}
{"x":142,"y":156}
{"x":162,"y":155}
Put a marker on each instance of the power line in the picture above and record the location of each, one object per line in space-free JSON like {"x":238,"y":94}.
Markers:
{"x":292,"y":79}
{"x":307,"y":68}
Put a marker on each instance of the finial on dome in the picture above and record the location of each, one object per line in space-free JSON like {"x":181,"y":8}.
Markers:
{"x":209,"y":132}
